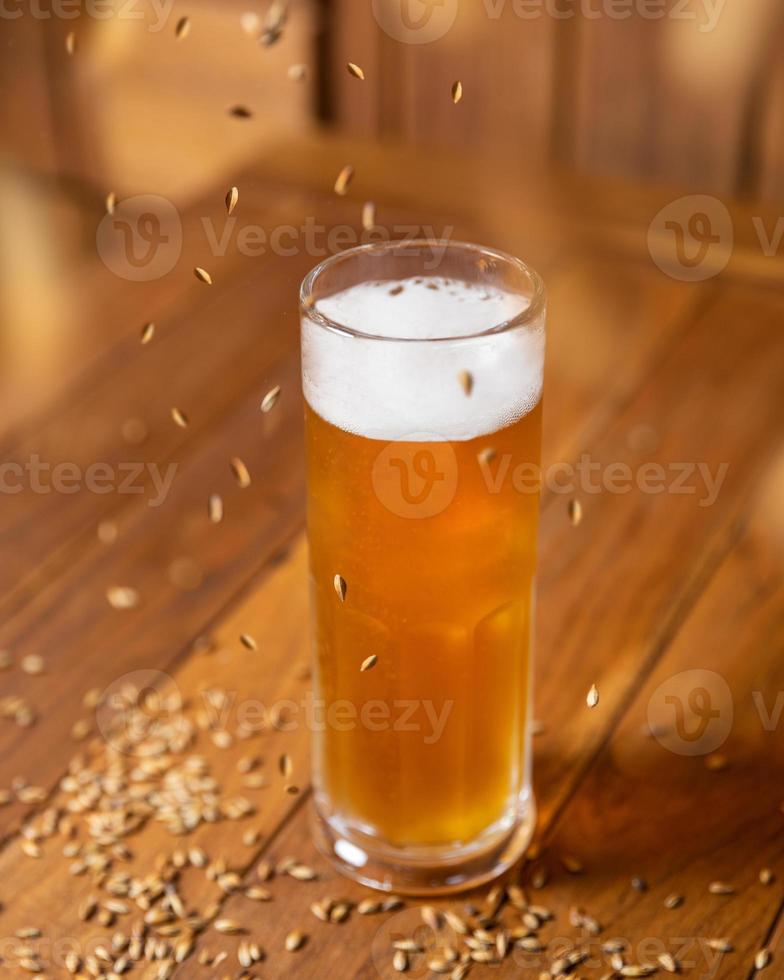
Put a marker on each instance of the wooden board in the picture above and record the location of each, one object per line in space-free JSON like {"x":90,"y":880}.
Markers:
{"x":641,"y":369}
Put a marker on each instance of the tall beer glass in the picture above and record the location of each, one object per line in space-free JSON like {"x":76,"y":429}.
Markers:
{"x":422,"y":372}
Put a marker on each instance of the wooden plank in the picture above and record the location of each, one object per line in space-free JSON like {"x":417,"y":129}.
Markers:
{"x":59,"y":609}
{"x":652,"y":807}
{"x":351,"y":35}
{"x":536,"y":214}
{"x":669,"y":98}
{"x":603,"y":340}
{"x":184,"y":568}
{"x":206,"y":369}
{"x":573,"y":655}
{"x":254,"y":684}
{"x":637,"y":792}
{"x":91,"y":314}
{"x":570,"y":657}
{"x":682,"y":414}
{"x":413,"y":57}
{"x":624,"y":792}
{"x":770,"y":148}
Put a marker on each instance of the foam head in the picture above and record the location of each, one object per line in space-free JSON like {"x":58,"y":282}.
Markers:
{"x":402,"y":388}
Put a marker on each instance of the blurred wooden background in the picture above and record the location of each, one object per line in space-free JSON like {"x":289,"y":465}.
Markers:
{"x":694,"y":98}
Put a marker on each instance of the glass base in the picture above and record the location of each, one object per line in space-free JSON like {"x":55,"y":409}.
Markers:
{"x":425,"y":870}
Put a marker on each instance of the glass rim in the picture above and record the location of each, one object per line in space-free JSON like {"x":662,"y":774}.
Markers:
{"x":523,"y":318}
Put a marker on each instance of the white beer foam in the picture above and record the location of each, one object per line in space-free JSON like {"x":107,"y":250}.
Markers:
{"x":395,"y":389}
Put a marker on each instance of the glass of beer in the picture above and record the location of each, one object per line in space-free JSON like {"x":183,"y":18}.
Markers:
{"x":422,"y":372}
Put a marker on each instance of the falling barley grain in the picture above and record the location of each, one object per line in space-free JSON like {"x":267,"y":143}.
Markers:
{"x":369,"y":662}
{"x":340,"y":587}
{"x":673,"y":901}
{"x":240,"y":112}
{"x":183,"y":28}
{"x":70,"y":42}
{"x":269,"y":401}
{"x":343,"y":180}
{"x":368,"y":215}
{"x":248,"y":641}
{"x":720,"y":888}
{"x":215,"y":508}
{"x":232,"y":196}
{"x":297,"y":73}
{"x":457,"y":92}
{"x":766,"y":876}
{"x":147,"y":332}
{"x":592,"y":698}
{"x":202,"y":275}
{"x":110,"y":202}
{"x":122,"y":597}
{"x":33,"y":664}
{"x":179,"y":417}
{"x":355,"y":71}
{"x":486,"y":455}
{"x":575,"y":512}
{"x":240,"y":471}
{"x":285,"y":765}
{"x":271,"y":34}
{"x":466,"y":380}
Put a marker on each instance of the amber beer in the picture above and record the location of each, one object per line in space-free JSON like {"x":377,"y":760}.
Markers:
{"x":423,"y":396}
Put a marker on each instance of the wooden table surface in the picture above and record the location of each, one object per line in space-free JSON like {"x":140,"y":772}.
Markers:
{"x":114,"y":807}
